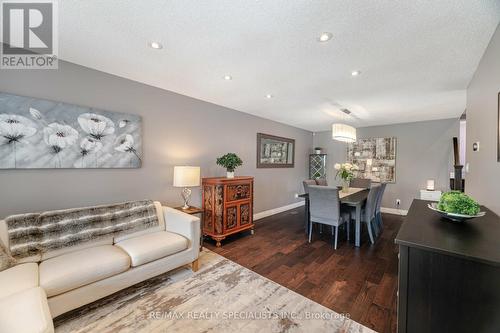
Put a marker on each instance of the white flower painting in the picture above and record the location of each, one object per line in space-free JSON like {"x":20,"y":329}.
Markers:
{"x":36,"y":133}
{"x":96,"y":126}
{"x":14,"y":130}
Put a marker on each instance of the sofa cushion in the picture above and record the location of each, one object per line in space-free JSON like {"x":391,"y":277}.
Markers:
{"x":76,"y":269}
{"x":26,"y":311}
{"x":69,"y":249}
{"x":18,"y":278}
{"x":147,"y":248}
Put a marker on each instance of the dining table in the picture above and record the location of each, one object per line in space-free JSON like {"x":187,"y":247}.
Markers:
{"x":353,"y":197}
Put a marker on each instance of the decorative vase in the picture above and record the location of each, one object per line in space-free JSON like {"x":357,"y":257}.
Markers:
{"x":230,"y":174}
{"x":345,"y":186}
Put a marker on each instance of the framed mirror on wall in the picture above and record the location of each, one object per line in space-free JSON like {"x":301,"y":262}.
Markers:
{"x":275,"y":152}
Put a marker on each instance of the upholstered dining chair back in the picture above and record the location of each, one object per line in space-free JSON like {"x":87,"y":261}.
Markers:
{"x":360,"y":183}
{"x":321,"y":182}
{"x":307,"y":183}
{"x":371,"y":203}
{"x":324,"y":205}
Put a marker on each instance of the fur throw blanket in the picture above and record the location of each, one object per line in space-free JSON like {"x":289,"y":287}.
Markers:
{"x":6,"y":259}
{"x":32,"y":234}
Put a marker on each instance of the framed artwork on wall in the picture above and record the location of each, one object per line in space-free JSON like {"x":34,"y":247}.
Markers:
{"x":275,"y":152}
{"x":42,"y":134}
{"x":375,"y":157}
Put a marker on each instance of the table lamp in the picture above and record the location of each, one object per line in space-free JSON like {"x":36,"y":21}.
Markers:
{"x":186,"y":176}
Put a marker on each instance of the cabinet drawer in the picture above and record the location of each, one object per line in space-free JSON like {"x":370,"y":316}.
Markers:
{"x":238,"y":192}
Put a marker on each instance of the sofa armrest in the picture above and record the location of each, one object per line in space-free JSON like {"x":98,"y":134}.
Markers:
{"x":26,"y":311}
{"x":183,"y":224}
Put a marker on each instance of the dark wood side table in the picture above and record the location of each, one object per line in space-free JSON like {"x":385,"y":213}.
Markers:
{"x":194,"y":211}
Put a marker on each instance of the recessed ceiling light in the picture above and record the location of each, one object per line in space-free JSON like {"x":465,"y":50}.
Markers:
{"x":269,"y":96}
{"x":155,"y":45}
{"x":355,"y":73}
{"x":228,"y":77}
{"x":325,"y":37}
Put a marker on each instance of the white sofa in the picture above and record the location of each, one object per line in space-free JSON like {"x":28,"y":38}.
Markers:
{"x":43,"y":287}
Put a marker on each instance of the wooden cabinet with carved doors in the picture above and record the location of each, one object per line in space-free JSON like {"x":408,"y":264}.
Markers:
{"x":227,"y":206}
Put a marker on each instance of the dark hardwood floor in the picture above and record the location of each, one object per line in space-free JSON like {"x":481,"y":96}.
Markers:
{"x":361,"y":282}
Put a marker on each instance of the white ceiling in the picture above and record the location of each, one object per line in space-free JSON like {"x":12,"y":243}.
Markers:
{"x":416,"y":57}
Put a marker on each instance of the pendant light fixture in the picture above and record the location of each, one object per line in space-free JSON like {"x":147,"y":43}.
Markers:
{"x":343,"y":132}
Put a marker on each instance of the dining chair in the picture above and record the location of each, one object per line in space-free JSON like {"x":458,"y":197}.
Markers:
{"x":306,"y":183}
{"x":378,"y":214}
{"x":368,"y":214}
{"x":360,"y":183}
{"x":321,"y":182}
{"x":325,"y":209}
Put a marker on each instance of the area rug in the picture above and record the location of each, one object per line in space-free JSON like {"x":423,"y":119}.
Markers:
{"x":221,"y":297}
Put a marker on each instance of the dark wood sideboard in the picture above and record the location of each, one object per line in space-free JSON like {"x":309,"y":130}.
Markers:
{"x":227,"y":206}
{"x":449,"y":273}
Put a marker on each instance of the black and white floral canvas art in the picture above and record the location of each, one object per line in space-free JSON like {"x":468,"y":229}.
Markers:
{"x":37,"y":133}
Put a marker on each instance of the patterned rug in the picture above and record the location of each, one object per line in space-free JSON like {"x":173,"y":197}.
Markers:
{"x":221,"y":297}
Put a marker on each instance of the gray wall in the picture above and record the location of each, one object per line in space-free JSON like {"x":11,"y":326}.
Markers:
{"x":178,"y":130}
{"x":483,"y":179}
{"x":424,"y":151}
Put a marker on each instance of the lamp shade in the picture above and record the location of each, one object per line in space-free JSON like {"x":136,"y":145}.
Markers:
{"x":186,"y":176}
{"x":430,"y":185}
{"x":343,"y":132}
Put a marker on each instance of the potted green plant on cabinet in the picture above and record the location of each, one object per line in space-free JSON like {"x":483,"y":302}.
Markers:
{"x":230,"y":161}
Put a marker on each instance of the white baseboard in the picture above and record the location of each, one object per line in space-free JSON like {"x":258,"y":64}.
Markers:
{"x":393,"y":211}
{"x":273,"y":211}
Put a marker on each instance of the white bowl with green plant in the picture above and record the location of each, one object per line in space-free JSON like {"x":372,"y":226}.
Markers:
{"x":457,"y":206}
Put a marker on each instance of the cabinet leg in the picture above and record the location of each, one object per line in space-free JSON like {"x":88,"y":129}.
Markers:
{"x":252,"y":231}
{"x":218,"y":240}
